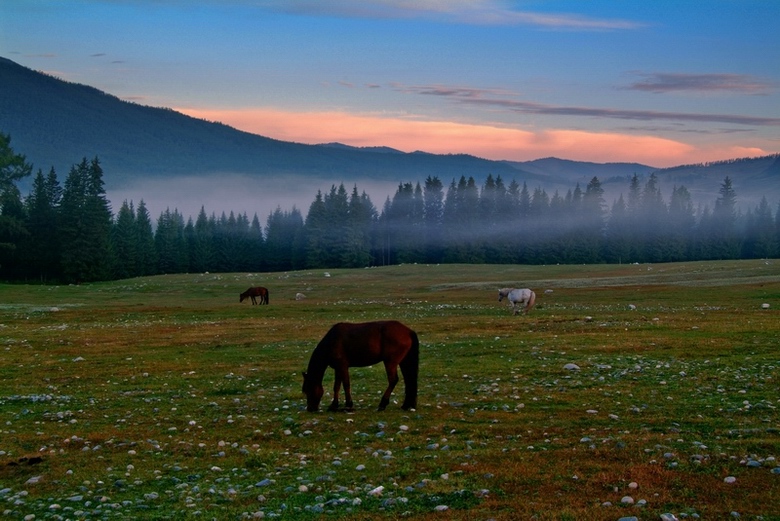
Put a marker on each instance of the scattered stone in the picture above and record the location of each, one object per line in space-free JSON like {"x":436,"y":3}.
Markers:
{"x":571,"y":367}
{"x":730,"y":479}
{"x":765,"y":305}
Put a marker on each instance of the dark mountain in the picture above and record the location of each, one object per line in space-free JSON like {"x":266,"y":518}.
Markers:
{"x":56,"y":123}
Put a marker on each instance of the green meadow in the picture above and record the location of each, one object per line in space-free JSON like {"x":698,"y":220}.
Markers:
{"x":645,"y":391}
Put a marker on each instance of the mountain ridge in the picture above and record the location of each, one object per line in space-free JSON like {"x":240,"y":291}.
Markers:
{"x":55,"y":123}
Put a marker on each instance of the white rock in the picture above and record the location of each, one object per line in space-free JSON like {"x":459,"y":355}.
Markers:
{"x":571,"y":367}
{"x":730,"y":479}
{"x":765,"y":305}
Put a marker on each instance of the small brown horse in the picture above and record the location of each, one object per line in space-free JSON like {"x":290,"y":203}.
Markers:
{"x":255,"y":292}
{"x":360,"y":345}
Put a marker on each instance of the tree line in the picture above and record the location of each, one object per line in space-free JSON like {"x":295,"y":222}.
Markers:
{"x":67,"y":233}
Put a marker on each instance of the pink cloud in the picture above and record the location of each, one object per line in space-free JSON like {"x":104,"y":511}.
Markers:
{"x":482,"y":140}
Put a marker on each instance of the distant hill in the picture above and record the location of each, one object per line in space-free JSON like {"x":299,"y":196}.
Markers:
{"x":56,"y":123}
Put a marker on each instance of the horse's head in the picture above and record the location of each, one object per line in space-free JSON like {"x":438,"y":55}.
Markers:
{"x":313,"y":391}
{"x":501,"y":295}
{"x":241,"y":297}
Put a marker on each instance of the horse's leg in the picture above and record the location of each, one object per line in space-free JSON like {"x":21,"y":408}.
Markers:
{"x":334,"y":405}
{"x":254,"y":301}
{"x":348,"y":405}
{"x":392,"y":380}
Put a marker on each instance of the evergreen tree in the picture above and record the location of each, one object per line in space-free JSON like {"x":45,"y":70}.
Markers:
{"x":42,"y":208}
{"x":200,"y":240}
{"x":171,"y":247}
{"x":85,"y":224}
{"x":283,"y":231}
{"x":653,"y":222}
{"x":362,"y":216}
{"x":13,"y":234}
{"x":760,"y":235}
{"x":256,"y":244}
{"x":618,"y":235}
{"x":591,"y":223}
{"x":403,"y":223}
{"x":145,"y":249}
{"x":681,"y":226}
{"x":316,"y":223}
{"x":124,"y":238}
{"x":433,"y":215}
{"x":724,"y":240}
{"x":13,"y":168}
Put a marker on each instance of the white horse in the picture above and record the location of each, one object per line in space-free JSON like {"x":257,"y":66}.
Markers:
{"x":523,"y":297}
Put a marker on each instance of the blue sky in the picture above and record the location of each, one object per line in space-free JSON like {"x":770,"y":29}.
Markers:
{"x":653,"y":81}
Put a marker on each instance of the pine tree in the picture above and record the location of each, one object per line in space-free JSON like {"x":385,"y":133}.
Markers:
{"x":316,"y":222}
{"x":618,"y":235}
{"x":283,"y":231}
{"x":124,"y":238}
{"x":591,"y":223}
{"x":86,"y":220}
{"x":13,"y":232}
{"x":146,"y":252}
{"x":201,"y":244}
{"x":43,"y":248}
{"x":433,"y":215}
{"x":724,"y":240}
{"x":256,"y":244}
{"x":172,"y":255}
{"x":362,"y":216}
{"x":760,"y":235}
{"x":681,"y":227}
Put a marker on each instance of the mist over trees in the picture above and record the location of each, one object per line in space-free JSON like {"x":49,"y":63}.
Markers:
{"x":66,"y":233}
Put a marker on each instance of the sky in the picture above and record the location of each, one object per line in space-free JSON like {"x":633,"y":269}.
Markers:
{"x":661,"y":82}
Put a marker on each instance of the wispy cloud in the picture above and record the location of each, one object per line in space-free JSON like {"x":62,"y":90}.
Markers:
{"x":664,"y":82}
{"x":472,"y":12}
{"x":486,"y":97}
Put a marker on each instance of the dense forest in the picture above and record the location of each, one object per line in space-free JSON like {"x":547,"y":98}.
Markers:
{"x":67,"y":233}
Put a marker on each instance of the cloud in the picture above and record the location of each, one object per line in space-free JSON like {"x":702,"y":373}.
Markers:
{"x":472,"y":12}
{"x":663,"y":82}
{"x":488,"y":98}
{"x":482,"y":140}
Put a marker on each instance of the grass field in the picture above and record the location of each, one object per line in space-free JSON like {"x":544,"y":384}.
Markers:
{"x":164,"y":398}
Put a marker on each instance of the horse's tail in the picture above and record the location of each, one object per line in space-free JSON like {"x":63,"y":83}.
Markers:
{"x":266,"y":296}
{"x":531,"y":302}
{"x":410,"y":368}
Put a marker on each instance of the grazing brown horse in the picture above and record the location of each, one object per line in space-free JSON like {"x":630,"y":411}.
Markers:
{"x":255,"y":292}
{"x":360,"y":345}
